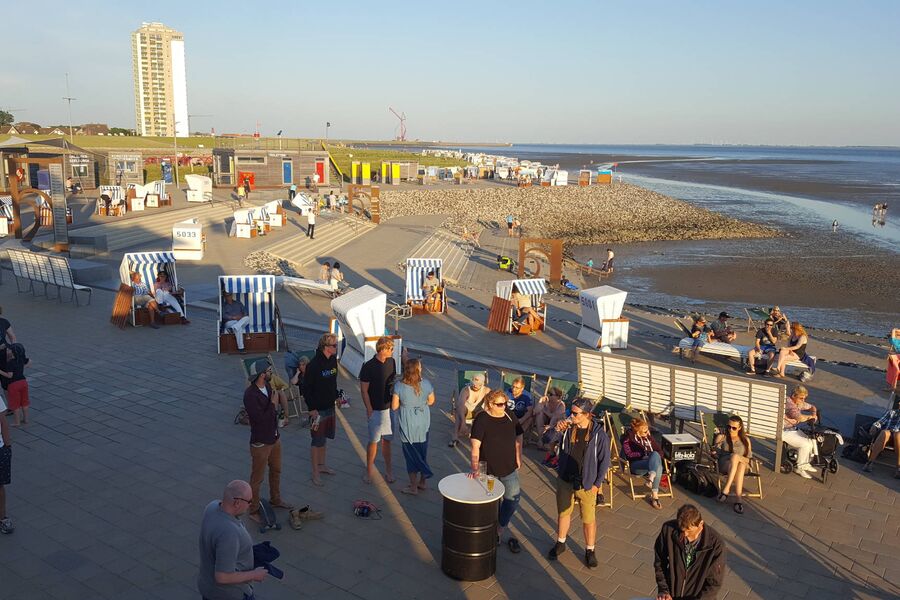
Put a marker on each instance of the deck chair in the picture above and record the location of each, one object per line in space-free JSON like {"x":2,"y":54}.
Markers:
{"x":617,"y":422}
{"x":756,"y":316}
{"x":293,"y":394}
{"x":712,"y":424}
{"x":463,"y":378}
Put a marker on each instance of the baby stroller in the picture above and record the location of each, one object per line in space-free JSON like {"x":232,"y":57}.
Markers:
{"x":827,"y":441}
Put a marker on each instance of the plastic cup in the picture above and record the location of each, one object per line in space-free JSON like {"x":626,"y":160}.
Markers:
{"x":482,"y":471}
{"x":490,"y":484}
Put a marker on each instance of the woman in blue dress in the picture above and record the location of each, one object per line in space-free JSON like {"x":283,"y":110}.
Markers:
{"x":411,"y":399}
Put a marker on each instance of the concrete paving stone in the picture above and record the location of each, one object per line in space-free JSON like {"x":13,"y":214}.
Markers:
{"x":70,"y":590}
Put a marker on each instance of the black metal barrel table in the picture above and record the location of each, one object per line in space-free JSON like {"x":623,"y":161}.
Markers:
{"x":469,"y":544}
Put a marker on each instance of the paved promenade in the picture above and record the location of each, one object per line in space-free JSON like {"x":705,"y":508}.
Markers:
{"x":132,"y":434}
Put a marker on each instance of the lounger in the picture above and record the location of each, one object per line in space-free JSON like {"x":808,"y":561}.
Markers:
{"x":738,"y":352}
{"x":307,"y":284}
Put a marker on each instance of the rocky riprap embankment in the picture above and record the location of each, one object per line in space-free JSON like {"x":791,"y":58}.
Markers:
{"x":263,"y":262}
{"x":598,"y":214}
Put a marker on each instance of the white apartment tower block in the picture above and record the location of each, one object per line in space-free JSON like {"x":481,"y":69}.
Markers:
{"x":160,"y":81}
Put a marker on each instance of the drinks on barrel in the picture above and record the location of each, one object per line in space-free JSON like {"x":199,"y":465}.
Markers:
{"x":469,"y":540}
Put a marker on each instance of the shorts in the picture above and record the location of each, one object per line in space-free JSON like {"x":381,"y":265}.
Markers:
{"x":5,"y":465}
{"x":381,"y":425}
{"x":767,"y":348}
{"x":17,"y":395}
{"x":699,"y":343}
{"x":278,"y":384}
{"x":509,"y":225}
{"x":723,"y":463}
{"x":565,"y":496}
{"x":325,"y":431}
{"x":142,"y":301}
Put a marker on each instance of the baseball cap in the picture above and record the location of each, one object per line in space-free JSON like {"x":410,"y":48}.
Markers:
{"x":724,"y":315}
{"x":258,"y":368}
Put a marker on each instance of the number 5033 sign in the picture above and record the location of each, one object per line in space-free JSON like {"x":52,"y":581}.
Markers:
{"x":187,"y":236}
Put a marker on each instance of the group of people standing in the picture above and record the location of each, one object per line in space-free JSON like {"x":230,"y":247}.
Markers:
{"x":689,"y":557}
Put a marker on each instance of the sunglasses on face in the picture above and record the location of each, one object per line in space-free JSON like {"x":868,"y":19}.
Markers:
{"x":733,"y":427}
{"x":577,"y":414}
{"x":331,"y":345}
{"x":499,"y":403}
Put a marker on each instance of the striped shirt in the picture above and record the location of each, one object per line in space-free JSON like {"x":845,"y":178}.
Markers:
{"x":140,"y":288}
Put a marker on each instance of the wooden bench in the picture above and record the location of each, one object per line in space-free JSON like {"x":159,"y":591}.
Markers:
{"x":46,"y":270}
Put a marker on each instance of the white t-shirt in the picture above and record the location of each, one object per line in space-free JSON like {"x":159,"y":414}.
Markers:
{"x":311,"y":218}
{"x":2,"y":410}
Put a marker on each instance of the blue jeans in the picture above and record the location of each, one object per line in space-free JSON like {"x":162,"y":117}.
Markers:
{"x":511,"y":495}
{"x":651,"y":463}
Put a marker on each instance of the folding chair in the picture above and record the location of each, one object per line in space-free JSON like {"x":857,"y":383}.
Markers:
{"x":293,"y":394}
{"x":712,"y":424}
{"x":617,"y":422}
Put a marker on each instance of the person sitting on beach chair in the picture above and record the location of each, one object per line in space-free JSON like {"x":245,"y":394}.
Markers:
{"x":431,"y":288}
{"x":521,"y":403}
{"x":721,"y":331}
{"x":766,"y":338}
{"x":143,"y":298}
{"x":525,"y":313}
{"x":165,"y":292}
{"x":550,"y":410}
{"x":700,"y":332}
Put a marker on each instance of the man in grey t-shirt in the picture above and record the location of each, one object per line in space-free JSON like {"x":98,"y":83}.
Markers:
{"x":226,"y":550}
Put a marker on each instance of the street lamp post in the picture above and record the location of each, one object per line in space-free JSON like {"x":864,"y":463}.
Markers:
{"x":327,"y":125}
{"x":175,"y":139}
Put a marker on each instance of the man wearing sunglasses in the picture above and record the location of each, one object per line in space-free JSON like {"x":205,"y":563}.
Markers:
{"x":497,"y":440}
{"x":226,"y":549}
{"x":321,"y":391}
{"x":582,"y":467}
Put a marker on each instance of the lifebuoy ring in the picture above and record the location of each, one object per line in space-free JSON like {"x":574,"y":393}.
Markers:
{"x":20,"y":174}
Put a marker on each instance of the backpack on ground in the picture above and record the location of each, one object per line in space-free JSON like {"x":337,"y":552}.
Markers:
{"x":697,"y":479}
{"x":267,"y":517}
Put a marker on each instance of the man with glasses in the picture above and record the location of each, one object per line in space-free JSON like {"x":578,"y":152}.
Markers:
{"x":226,"y":549}
{"x":521,"y":403}
{"x":320,"y":391}
{"x":689,"y":558}
{"x":497,"y":440}
{"x":261,"y":404}
{"x":582,"y":467}
{"x":766,"y":340}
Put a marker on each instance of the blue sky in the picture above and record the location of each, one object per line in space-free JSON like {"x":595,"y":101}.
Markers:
{"x":798,"y":72}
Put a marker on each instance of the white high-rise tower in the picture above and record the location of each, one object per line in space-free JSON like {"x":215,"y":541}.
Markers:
{"x":160,"y":81}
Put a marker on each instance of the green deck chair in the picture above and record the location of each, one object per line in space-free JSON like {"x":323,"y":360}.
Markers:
{"x":618,"y":422}
{"x":710,"y":425}
{"x":463,"y":378}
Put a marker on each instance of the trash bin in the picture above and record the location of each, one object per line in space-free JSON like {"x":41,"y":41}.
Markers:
{"x":469,"y":540}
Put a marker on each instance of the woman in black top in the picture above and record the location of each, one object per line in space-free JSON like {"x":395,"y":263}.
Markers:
{"x":795,"y":350}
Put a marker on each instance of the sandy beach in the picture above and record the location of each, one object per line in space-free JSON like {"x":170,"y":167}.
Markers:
{"x":618,"y":213}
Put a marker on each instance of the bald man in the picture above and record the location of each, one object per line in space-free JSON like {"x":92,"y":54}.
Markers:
{"x":226,"y":550}
{"x":468,"y":404}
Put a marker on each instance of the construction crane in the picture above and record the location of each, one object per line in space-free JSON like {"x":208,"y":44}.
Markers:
{"x":401,"y":129}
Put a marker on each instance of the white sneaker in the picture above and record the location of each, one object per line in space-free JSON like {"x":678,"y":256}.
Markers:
{"x":808,"y":467}
{"x":802,"y":473}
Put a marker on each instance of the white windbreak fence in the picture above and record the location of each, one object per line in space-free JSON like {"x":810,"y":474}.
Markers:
{"x":682,"y":392}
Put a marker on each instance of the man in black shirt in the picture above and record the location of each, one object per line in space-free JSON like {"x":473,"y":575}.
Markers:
{"x":497,"y":439}
{"x":766,"y":338}
{"x":320,"y":391}
{"x":376,"y":379}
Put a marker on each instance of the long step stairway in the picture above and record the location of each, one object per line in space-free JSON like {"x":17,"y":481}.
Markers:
{"x":121,"y":234}
{"x":333,"y":230}
{"x":450,"y":248}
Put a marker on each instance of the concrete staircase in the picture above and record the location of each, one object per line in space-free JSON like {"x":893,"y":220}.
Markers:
{"x":124,"y":233}
{"x":333,"y":230}
{"x":450,"y":248}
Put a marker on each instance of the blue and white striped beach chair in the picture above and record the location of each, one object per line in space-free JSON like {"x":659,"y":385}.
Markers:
{"x":257,"y":294}
{"x":117,"y":199}
{"x":148,"y":265}
{"x":417,"y":270}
